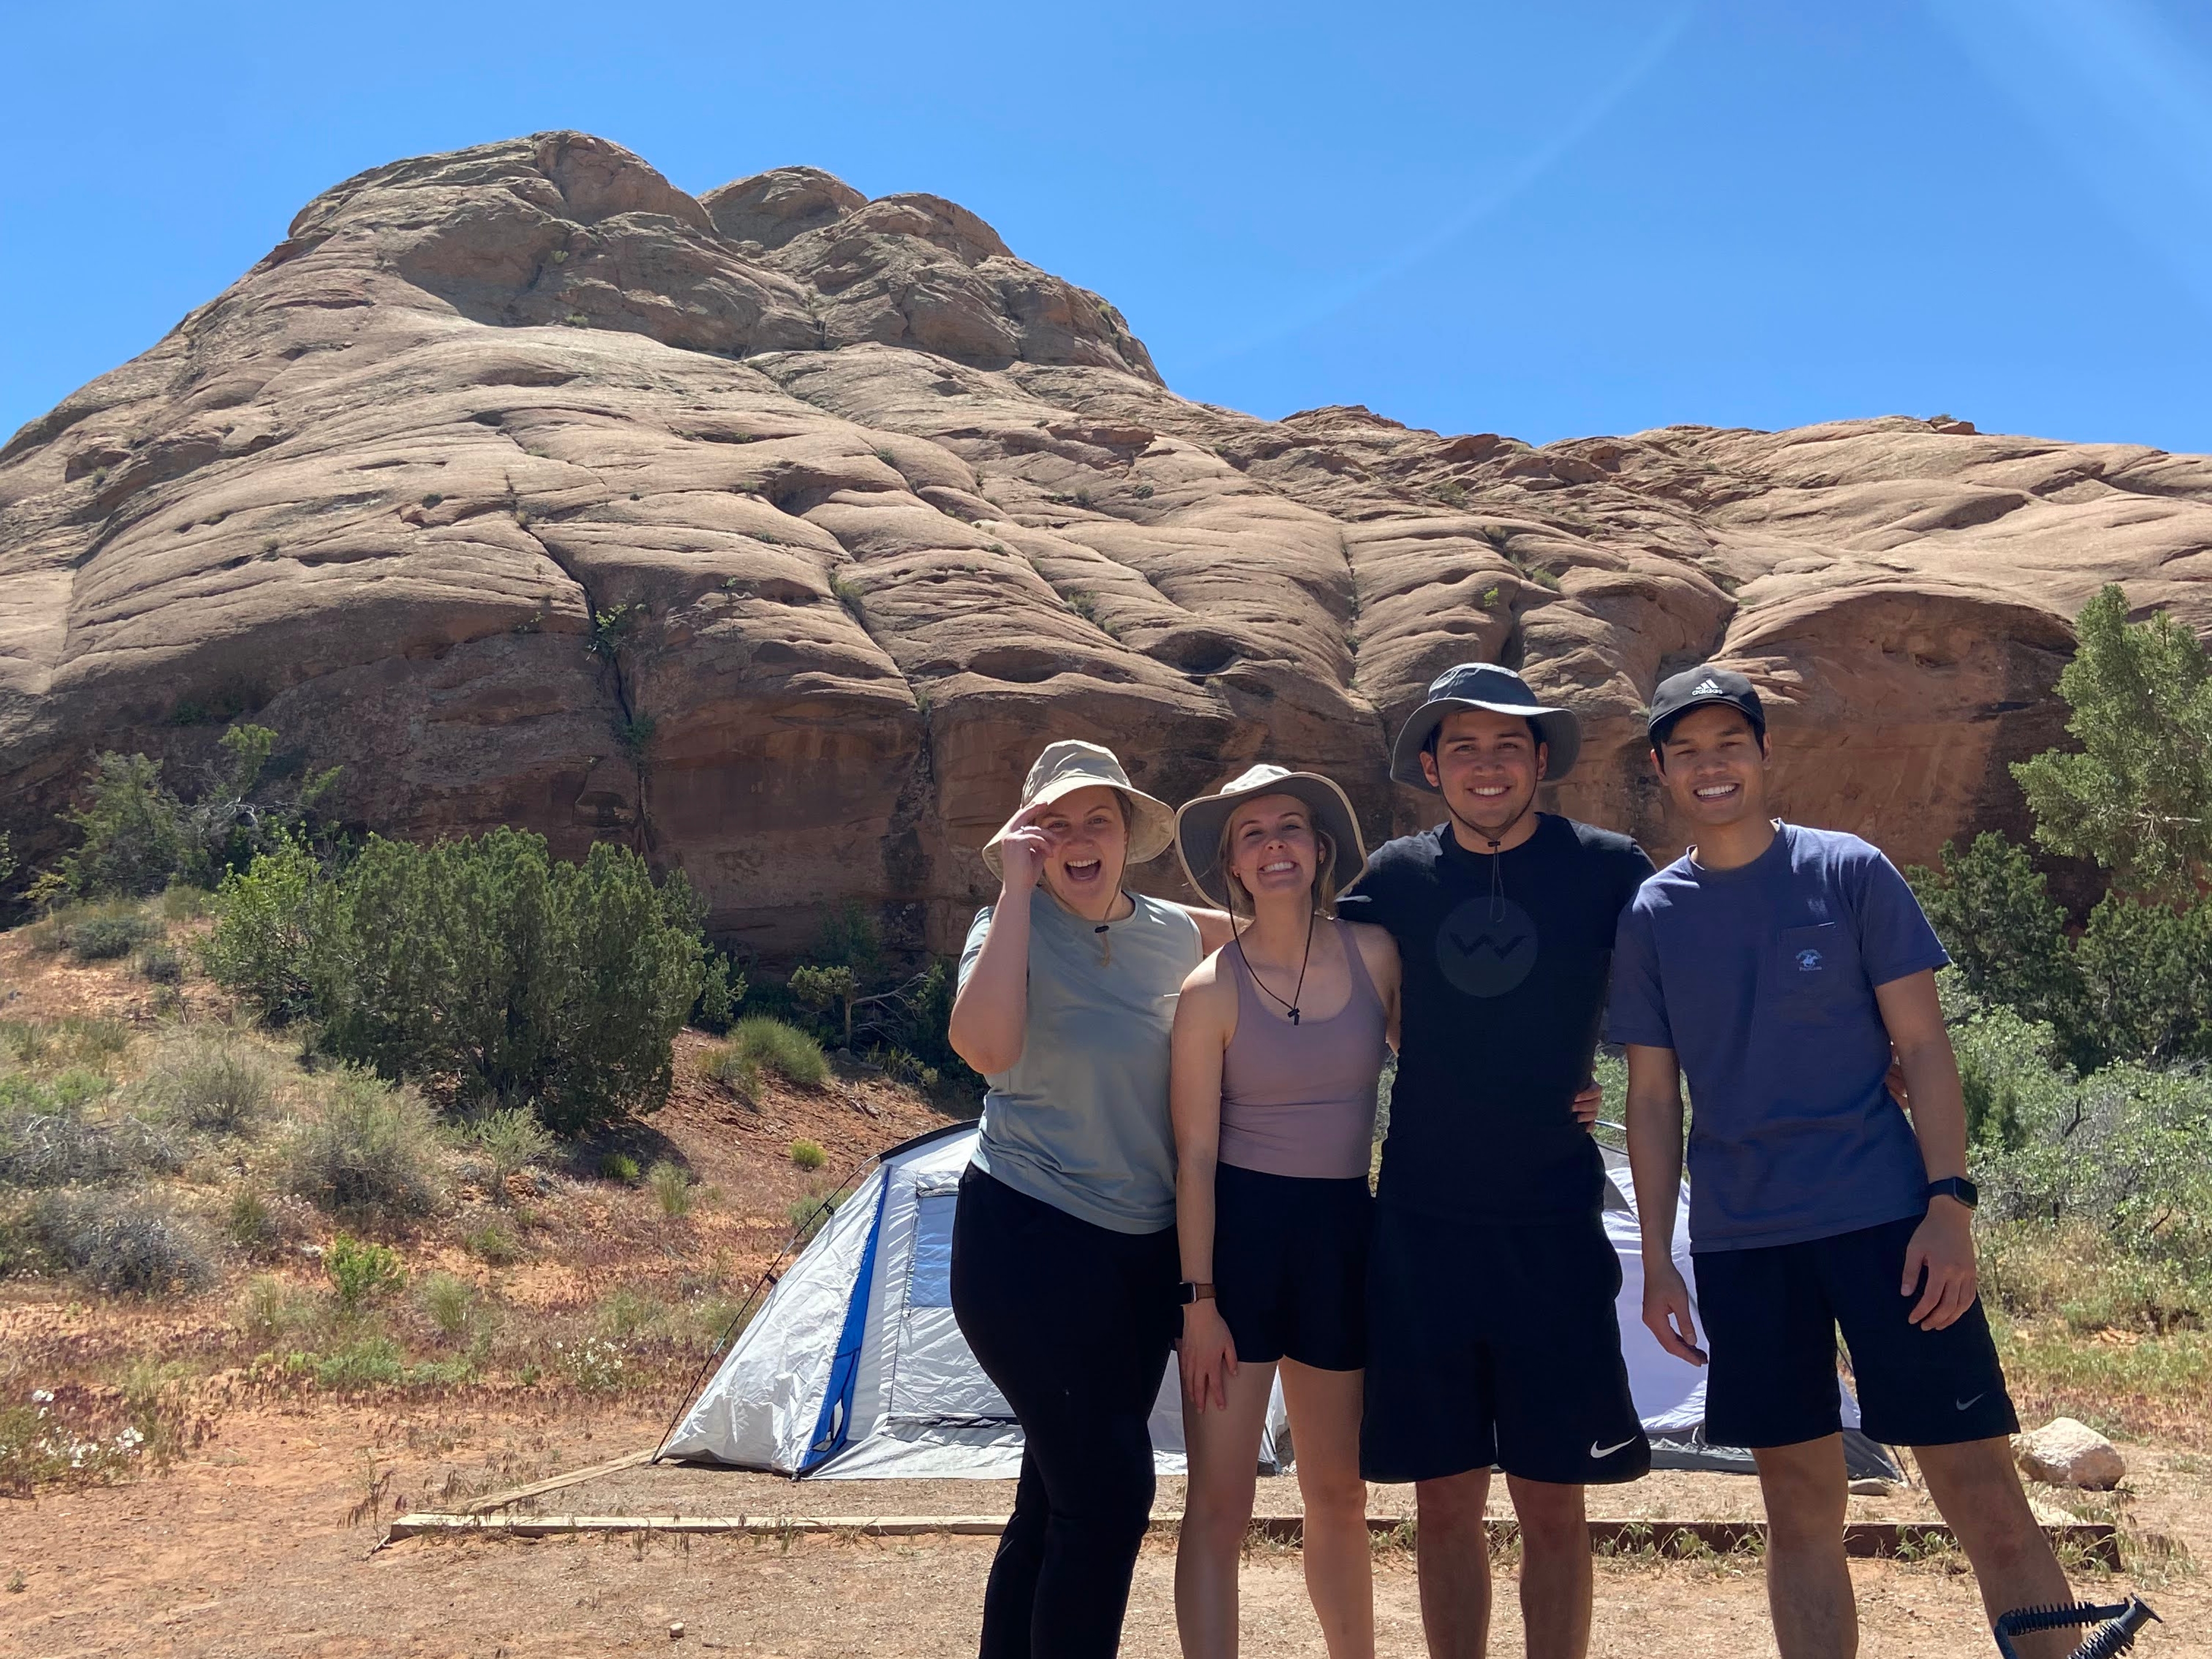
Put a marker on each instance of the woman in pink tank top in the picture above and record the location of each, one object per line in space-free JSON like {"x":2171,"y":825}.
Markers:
{"x":1278,"y":1044}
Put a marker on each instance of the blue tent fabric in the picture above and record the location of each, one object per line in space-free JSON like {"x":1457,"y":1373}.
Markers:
{"x":832,"y":1427}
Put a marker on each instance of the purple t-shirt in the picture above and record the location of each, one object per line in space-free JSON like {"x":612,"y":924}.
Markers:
{"x":1761,"y":980}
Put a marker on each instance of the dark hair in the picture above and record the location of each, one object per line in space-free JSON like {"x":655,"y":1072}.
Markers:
{"x":1429,"y":743}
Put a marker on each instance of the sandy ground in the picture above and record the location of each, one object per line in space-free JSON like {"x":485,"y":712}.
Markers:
{"x":261,"y":1544}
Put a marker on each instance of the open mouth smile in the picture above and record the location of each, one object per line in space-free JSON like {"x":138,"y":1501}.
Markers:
{"x":1716,"y":791}
{"x":1083,"y":869}
{"x":1279,"y":868}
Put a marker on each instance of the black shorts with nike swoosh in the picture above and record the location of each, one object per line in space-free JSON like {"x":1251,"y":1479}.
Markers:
{"x":1770,"y":1318}
{"x":1495,"y":1345}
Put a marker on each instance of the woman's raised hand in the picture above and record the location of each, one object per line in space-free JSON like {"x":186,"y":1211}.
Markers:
{"x":1207,"y":1354}
{"x":1023,"y":849}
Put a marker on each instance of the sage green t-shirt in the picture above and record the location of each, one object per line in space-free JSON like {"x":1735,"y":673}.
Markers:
{"x":1080,"y":1120}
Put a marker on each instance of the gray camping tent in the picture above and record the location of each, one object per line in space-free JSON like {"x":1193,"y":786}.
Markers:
{"x":854,"y":1369}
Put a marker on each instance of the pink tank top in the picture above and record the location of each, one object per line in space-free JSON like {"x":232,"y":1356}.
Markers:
{"x":1299,"y":1100}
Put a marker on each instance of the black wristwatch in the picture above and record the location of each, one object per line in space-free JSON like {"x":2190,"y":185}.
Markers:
{"x":1190,"y":1290}
{"x":1956,"y":1187}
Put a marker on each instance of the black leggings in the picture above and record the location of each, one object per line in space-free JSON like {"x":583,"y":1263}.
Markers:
{"x":1073,"y":1322}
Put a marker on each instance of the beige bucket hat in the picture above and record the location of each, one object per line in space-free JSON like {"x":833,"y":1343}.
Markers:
{"x":1198,"y":826}
{"x":1070,"y":765}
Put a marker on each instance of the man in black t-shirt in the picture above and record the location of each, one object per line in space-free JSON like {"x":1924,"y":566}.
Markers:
{"x":1492,"y":1337}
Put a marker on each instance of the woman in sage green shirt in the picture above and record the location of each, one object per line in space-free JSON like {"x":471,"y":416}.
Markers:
{"x":1064,"y":1260}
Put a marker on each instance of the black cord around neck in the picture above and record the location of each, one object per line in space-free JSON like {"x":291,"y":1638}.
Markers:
{"x":1298,"y":990}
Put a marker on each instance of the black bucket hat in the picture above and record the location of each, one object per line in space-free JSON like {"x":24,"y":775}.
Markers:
{"x":1500,"y":691}
{"x":1695,"y":688}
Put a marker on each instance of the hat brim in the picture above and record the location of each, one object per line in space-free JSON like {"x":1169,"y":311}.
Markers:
{"x":1151,"y":821}
{"x":1562,"y":732}
{"x":1197,"y":829}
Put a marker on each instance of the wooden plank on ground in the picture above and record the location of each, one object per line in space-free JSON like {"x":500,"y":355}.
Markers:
{"x":499,"y":1500}
{"x":2098,"y":1539}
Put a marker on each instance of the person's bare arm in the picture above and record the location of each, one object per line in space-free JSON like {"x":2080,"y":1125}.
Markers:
{"x":1208,"y":1353}
{"x":1942,"y":1247}
{"x":1379,"y":951}
{"x":1215,"y":928}
{"x":1654,"y":1163}
{"x":991,"y":1015}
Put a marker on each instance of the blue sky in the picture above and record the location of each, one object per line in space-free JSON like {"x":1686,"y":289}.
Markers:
{"x":1589,"y":216}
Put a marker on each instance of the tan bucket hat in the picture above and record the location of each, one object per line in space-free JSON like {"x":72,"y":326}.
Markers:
{"x":1070,"y":765}
{"x":1199,"y":824}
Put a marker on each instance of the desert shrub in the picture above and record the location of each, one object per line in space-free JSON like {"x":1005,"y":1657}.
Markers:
{"x":369,"y":1149}
{"x":210,"y":1082}
{"x":450,"y":1304}
{"x":2147,"y":977}
{"x":133,"y":836}
{"x":2137,"y":795}
{"x":75,"y":1040}
{"x":270,"y":1311}
{"x":620,"y":1166}
{"x":671,"y":1187}
{"x":776,"y":1046}
{"x":247,"y":1220}
{"x":721,"y":989}
{"x":105,"y":932}
{"x":807,"y":1216}
{"x":808,"y":1154}
{"x":366,"y":1362}
{"x":512,"y":1140}
{"x":125,"y":1245}
{"x":2005,"y":935}
{"x":160,"y":963}
{"x":2120,"y":1149}
{"x":259,"y":946}
{"x":51,"y":1143}
{"x":524,"y":979}
{"x":731,"y":1065}
{"x":139,"y":835}
{"x":827,"y":988}
{"x":492,"y":1242}
{"x":71,"y":1443}
{"x":624,"y":1315}
{"x":183,"y":902}
{"x":595,"y":1364}
{"x":920,"y":1026}
{"x":361,"y":1272}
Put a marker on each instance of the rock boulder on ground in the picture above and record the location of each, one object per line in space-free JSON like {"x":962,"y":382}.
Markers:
{"x":2065,"y":1453}
{"x":774,"y":531}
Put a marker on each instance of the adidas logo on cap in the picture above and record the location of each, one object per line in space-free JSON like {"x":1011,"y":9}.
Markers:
{"x":1707,"y":688}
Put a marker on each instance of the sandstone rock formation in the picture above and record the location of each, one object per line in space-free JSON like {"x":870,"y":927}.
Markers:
{"x":774,"y":530}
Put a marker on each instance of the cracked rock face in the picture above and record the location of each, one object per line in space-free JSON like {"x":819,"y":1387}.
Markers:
{"x":774,"y":531}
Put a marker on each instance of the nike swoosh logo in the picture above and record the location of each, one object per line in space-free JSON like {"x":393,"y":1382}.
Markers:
{"x":1962,"y":1404}
{"x":1598,"y":1451}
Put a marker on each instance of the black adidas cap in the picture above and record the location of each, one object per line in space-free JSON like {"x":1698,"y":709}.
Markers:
{"x":1693,"y":688}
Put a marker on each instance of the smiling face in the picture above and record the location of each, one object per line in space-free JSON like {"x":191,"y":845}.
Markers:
{"x":1269,"y":847}
{"x":1714,"y":762}
{"x":1090,"y":847}
{"x":1487,"y":766}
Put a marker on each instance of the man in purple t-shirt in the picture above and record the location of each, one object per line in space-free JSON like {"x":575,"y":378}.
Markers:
{"x":1777,"y":965}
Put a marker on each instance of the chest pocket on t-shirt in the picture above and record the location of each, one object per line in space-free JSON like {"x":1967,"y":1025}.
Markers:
{"x":1816,"y":973}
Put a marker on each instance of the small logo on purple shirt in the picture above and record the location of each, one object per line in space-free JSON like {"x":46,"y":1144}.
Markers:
{"x":1809,"y":961}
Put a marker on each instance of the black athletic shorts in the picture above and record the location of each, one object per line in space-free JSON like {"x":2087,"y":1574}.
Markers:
{"x":1499,"y":1346}
{"x":1770,"y":1316}
{"x":1290,"y":1266}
